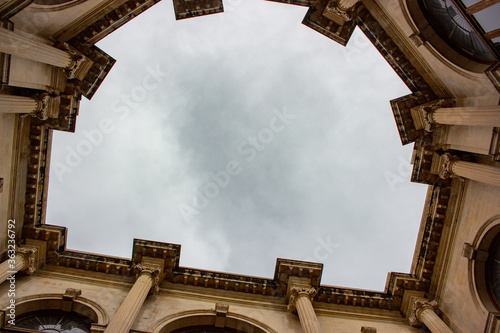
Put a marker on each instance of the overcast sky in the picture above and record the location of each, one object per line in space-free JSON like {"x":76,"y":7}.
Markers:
{"x":243,"y":136}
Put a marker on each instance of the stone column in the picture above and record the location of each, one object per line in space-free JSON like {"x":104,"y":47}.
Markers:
{"x":345,"y":5}
{"x":301,"y":301}
{"x":24,"y":47}
{"x":423,"y":312}
{"x":443,"y":112}
{"x":43,"y":106}
{"x":447,"y":165}
{"x":127,"y":312}
{"x":488,"y":116}
{"x":22,"y":260}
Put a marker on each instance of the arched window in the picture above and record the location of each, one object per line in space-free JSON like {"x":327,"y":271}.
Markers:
{"x":484,"y":265}
{"x":55,"y":321}
{"x":204,"y":321}
{"x":493,"y":272}
{"x":442,"y":24}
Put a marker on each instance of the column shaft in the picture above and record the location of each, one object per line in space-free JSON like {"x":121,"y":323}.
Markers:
{"x":5,"y":269}
{"x":17,"y":104}
{"x":433,"y":322}
{"x":473,"y":116}
{"x":24,"y":47}
{"x":307,"y":316}
{"x":126,"y":314}
{"x":347,"y":4}
{"x":478,"y":172}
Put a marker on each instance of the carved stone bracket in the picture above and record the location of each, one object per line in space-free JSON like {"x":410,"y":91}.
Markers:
{"x":221,"y":311}
{"x":297,"y":292}
{"x":419,"y":305}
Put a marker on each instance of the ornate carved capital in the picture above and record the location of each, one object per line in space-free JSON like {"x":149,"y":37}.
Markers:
{"x":417,"y":306}
{"x":47,"y":106}
{"x":337,"y":13}
{"x":152,"y":270}
{"x":442,"y":165}
{"x":80,"y":64}
{"x":29,"y":254}
{"x":297,"y":292}
{"x":423,"y":114}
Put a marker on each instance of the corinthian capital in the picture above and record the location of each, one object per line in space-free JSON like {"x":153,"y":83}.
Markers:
{"x":423,"y":114}
{"x":297,"y":292}
{"x":80,"y":64}
{"x":417,"y":306}
{"x":29,"y":255}
{"x":153,"y":270}
{"x":47,"y":106}
{"x":442,"y":165}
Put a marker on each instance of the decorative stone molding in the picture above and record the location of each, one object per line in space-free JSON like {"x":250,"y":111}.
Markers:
{"x":9,"y":8}
{"x":289,"y":272}
{"x":325,"y":17}
{"x":401,"y":108}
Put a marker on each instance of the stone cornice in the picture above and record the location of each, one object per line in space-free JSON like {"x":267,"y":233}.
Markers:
{"x":225,"y":281}
{"x":186,"y":9}
{"x":401,"y":108}
{"x":305,"y":3}
{"x":103,"y":19}
{"x":315,"y":19}
{"x":391,"y":51}
{"x":168,"y":253}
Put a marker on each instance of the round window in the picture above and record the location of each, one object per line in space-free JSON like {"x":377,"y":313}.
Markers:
{"x":493,"y":271}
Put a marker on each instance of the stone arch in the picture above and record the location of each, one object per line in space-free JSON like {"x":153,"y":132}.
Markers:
{"x":479,"y":253}
{"x":432,"y":30}
{"x":53,"y":5}
{"x":64,"y":302}
{"x":192,"y":318}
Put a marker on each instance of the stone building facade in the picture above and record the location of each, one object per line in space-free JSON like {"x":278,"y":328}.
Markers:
{"x":48,"y":61}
